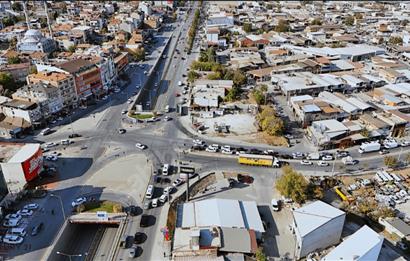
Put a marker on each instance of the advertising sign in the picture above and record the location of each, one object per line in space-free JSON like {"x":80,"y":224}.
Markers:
{"x":33,"y":165}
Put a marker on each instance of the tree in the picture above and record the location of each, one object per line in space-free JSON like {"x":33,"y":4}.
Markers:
{"x":192,"y":76}
{"x":13,"y":43}
{"x":260,"y":256}
{"x":7,"y":80}
{"x":283,"y":26}
{"x":14,"y":60}
{"x":259,"y":97}
{"x":247,"y":27}
{"x":43,"y":22}
{"x":16,"y":6}
{"x":292,"y":185}
{"x":365,"y":132}
{"x":316,"y":21}
{"x":214,"y":76}
{"x":358,"y":16}
{"x":390,"y":161}
{"x":138,"y":54}
{"x":233,"y":94}
{"x":33,"y":69}
{"x":239,"y":78}
{"x":72,"y":48}
{"x":273,"y":125}
{"x":349,"y":20}
{"x":8,"y":21}
{"x":396,"y":40}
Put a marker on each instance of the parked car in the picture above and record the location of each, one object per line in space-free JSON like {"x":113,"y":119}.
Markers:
{"x":25,"y":212}
{"x":32,"y":206}
{"x":245,"y":179}
{"x":342,"y":154}
{"x":124,"y":112}
{"x":211,"y":149}
{"x":13,"y":239}
{"x":275,"y":204}
{"x":122,"y":131}
{"x":322,"y":164}
{"x":298,"y":155}
{"x":12,"y":216}
{"x":177,"y":182}
{"x":163,"y":198}
{"x":327,"y":157}
{"x":79,"y":201}
{"x":74,"y":135}
{"x":146,"y":205}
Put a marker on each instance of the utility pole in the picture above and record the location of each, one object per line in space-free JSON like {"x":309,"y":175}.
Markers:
{"x":26,"y":14}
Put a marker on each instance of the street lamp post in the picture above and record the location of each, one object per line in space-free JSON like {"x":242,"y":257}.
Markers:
{"x":70,"y":256}
{"x":61,"y":203}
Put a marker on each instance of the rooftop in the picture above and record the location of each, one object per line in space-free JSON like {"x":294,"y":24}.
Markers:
{"x":357,"y":246}
{"x":314,"y":215}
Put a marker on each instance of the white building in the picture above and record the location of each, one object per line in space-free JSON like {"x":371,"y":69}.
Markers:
{"x":363,"y":245}
{"x":224,"y":213}
{"x":34,"y":41}
{"x":317,"y":226}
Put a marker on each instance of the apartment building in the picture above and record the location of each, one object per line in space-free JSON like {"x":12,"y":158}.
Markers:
{"x":62,"y":81}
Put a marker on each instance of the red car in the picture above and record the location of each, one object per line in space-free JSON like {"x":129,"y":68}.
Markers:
{"x":177,"y":94}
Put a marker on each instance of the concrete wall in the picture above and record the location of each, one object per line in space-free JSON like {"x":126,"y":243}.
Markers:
{"x":322,"y":237}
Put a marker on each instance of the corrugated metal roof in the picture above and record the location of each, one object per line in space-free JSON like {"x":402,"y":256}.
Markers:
{"x":358,"y":103}
{"x":363,"y":242}
{"x":314,"y":215}
{"x":251,"y":216}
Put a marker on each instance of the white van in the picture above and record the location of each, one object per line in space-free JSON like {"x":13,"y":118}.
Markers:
{"x":167,"y":108}
{"x":165,"y":169}
{"x":18,"y":231}
{"x":179,"y":83}
{"x":150,"y":191}
{"x":45,"y":131}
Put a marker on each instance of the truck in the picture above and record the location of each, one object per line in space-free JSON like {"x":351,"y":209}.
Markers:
{"x":258,"y":160}
{"x":369,"y":147}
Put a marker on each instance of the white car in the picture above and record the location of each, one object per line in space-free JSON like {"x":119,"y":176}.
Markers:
{"x":327,"y":157}
{"x":211,"y":149}
{"x":145,"y":72}
{"x":78,"y":201}
{"x":154,"y":203}
{"x":197,"y":141}
{"x":117,"y":90}
{"x":140,"y":146}
{"x":13,"y":216}
{"x":168,"y":190}
{"x":124,"y":112}
{"x":51,"y":158}
{"x":137,"y":86}
{"x":306,"y":162}
{"x":104,"y":98}
{"x":13,"y":239}
{"x":226,"y":151}
{"x":405,"y":143}
{"x":177,"y":182}
{"x":32,"y":206}
{"x":25,"y":212}
{"x":167,"y":118}
{"x":12,"y":222}
{"x":50,"y":145}
{"x":163,"y":198}
{"x":226,"y":147}
{"x":322,"y":164}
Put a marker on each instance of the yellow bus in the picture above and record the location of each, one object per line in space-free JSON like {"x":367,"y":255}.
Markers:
{"x":256,"y":160}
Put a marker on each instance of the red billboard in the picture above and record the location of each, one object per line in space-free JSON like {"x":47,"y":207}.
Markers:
{"x":33,"y":165}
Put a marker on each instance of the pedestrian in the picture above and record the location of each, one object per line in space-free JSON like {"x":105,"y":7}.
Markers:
{"x":165,"y":254}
